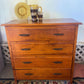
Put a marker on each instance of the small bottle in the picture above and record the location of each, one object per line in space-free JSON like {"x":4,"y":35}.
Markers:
{"x":40,"y":16}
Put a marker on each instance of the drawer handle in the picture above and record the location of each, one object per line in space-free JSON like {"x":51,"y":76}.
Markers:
{"x":59,"y":34}
{"x":57,"y":74}
{"x":57,"y":48}
{"x":24,"y":34}
{"x":57,"y":62}
{"x":26,"y":49}
{"x":27,"y":62}
{"x":28,"y":74}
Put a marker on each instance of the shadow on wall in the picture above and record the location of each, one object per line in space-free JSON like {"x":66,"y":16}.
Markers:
{"x":3,"y":38}
{"x":46,"y":15}
{"x":0,"y":35}
{"x":80,"y":38}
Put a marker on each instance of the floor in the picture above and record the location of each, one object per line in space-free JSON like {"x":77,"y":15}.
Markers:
{"x":79,"y":70}
{"x":7,"y":72}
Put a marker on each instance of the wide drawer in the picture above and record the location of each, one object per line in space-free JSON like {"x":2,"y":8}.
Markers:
{"x":43,"y":74}
{"x":41,"y":34}
{"x":41,"y":48}
{"x":25,"y":63}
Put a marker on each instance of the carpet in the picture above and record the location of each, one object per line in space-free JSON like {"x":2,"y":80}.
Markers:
{"x":76,"y":81}
{"x":33,"y":82}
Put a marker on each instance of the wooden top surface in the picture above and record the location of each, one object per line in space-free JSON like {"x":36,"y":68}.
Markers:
{"x":61,"y":21}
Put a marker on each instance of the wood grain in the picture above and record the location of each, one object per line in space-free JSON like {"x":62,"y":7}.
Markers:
{"x":25,"y":63}
{"x":46,"y":22}
{"x":43,"y":51}
{"x":43,"y":74}
{"x":74,"y":51}
{"x":26,"y":48}
{"x":57,"y":34}
{"x":40,"y":56}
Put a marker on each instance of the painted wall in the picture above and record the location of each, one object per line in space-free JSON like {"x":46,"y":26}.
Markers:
{"x":51,"y":9}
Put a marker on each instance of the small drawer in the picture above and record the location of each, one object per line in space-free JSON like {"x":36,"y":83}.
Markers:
{"x":25,"y":63}
{"x":43,"y":74}
{"x":42,"y":34}
{"x":41,"y":48}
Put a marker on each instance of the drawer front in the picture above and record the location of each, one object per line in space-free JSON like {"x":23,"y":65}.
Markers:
{"x":62,"y":34}
{"x":43,"y":73}
{"x":25,"y":63}
{"x":26,"y":48}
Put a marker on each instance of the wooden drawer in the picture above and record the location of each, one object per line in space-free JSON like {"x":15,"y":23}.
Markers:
{"x":43,"y":74}
{"x":44,"y":34}
{"x":25,"y":63}
{"x":26,"y":48}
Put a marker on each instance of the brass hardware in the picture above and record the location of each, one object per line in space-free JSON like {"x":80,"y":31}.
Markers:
{"x":27,"y":62}
{"x":26,"y":49}
{"x":57,"y":74}
{"x":57,"y":48}
{"x":28,"y":74}
{"x":59,"y":34}
{"x":24,"y":34}
{"x":57,"y":62}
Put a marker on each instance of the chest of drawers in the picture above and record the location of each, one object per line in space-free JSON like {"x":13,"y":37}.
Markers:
{"x":42,"y":51}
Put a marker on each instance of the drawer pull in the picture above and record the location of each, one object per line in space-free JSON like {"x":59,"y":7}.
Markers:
{"x":28,"y":74}
{"x":27,"y":62}
{"x":57,"y":62}
{"x":57,"y":74}
{"x":57,"y":34}
{"x":24,"y":34}
{"x":26,"y":49}
{"x":57,"y":48}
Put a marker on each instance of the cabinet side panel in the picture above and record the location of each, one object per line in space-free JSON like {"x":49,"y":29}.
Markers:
{"x":74,"y":51}
{"x":11,"y":56}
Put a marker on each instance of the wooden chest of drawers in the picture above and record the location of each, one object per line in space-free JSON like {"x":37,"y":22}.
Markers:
{"x":42,"y":51}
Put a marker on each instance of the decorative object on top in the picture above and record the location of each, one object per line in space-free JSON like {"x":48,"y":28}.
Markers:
{"x":22,"y":10}
{"x":35,"y":10}
{"x":36,"y":7}
{"x":40,"y":16}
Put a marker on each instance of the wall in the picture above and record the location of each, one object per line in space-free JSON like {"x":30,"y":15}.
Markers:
{"x":51,"y":9}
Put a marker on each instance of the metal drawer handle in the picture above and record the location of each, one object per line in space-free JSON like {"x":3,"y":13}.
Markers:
{"x":57,"y":48}
{"x":59,"y":34}
{"x":24,"y":34}
{"x":57,"y":62}
{"x":28,"y":74}
{"x":27,"y":62}
{"x":26,"y":49}
{"x":57,"y":74}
